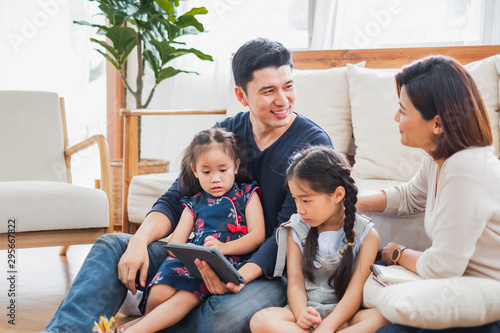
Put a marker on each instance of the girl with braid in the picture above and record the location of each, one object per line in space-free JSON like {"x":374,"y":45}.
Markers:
{"x":328,"y":251}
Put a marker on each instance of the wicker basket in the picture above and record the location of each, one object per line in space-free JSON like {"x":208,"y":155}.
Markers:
{"x":146,"y":166}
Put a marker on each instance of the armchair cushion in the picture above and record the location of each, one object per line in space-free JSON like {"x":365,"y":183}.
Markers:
{"x":44,"y":205}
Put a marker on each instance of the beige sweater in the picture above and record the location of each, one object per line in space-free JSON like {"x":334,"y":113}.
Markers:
{"x":462,"y":213}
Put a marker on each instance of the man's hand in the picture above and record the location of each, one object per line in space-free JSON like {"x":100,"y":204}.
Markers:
{"x":308,"y":318}
{"x":214,"y":285}
{"x":134,"y":259}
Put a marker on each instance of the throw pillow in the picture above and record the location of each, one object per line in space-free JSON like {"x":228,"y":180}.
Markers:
{"x":379,"y":151}
{"x":436,"y":303}
{"x":486,"y":74}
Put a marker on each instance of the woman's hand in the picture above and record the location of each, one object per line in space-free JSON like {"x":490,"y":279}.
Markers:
{"x":387,"y":252}
{"x":134,"y":259}
{"x":211,"y":241}
{"x":308,"y":318}
{"x":214,"y":285}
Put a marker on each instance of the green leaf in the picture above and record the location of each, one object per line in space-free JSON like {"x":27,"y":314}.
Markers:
{"x":107,"y":47}
{"x":169,"y":72}
{"x":111,"y":60}
{"x":121,"y":37}
{"x":188,"y":19}
{"x":167,"y":5}
{"x":153,"y":62}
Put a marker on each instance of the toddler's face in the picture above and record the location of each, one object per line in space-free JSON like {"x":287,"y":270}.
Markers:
{"x":216,"y":171}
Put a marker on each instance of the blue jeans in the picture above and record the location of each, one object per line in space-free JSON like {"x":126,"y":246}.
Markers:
{"x":97,"y":291}
{"x":488,"y":328}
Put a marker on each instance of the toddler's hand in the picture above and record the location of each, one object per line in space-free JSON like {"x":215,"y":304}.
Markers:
{"x":211,"y":241}
{"x":308,"y":318}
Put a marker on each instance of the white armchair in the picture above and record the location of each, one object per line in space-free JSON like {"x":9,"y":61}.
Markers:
{"x":38,"y":204}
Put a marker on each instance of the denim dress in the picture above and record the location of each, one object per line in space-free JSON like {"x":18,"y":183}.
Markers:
{"x":320,"y":295}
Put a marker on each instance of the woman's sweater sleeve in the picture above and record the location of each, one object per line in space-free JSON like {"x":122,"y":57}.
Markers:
{"x":410,"y":197}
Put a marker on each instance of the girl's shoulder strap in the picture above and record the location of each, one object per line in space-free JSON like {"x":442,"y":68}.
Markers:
{"x":281,"y":239}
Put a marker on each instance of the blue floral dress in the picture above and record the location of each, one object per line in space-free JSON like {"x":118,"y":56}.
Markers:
{"x":220,"y":217}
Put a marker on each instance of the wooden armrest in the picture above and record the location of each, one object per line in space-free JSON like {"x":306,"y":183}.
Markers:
{"x":146,"y":112}
{"x":131,"y":146}
{"x":105,"y":167}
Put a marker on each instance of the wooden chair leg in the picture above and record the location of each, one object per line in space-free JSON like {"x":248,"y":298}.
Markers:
{"x":64,"y":249}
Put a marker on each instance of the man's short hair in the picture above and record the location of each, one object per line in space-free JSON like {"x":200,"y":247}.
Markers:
{"x":257,"y":54}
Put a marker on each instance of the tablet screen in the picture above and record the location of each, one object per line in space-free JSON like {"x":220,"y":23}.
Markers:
{"x":187,"y":253}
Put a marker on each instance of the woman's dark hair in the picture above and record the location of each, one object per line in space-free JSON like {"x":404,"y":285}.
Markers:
{"x":440,"y":86}
{"x":323,"y":170}
{"x":230,"y":143}
{"x":257,"y":54}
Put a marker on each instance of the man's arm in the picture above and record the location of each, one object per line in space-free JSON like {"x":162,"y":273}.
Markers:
{"x":160,"y":221}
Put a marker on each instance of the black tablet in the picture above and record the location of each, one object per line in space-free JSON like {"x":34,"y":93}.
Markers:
{"x":187,"y":253}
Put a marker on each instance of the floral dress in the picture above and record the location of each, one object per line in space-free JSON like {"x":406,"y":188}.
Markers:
{"x":220,"y":217}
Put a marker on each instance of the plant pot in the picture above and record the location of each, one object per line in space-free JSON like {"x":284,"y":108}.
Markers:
{"x":146,"y":166}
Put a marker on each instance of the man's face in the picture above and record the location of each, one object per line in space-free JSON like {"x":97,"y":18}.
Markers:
{"x":270,"y":97}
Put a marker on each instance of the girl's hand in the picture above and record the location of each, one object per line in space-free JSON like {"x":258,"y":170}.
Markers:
{"x":211,"y":241}
{"x":308,"y":318}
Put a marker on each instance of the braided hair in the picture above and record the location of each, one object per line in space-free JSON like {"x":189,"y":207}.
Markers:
{"x":324,"y":170}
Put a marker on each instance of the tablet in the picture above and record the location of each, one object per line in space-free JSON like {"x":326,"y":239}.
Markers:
{"x":187,"y":253}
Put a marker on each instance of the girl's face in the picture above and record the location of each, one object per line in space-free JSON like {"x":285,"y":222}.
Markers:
{"x":318,"y":209}
{"x":415,"y":131}
{"x":216,"y":171}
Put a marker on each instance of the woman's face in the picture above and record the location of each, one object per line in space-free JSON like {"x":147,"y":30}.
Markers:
{"x":415,"y":131}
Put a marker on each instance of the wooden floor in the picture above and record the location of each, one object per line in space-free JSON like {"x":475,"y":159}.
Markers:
{"x":42,"y":279}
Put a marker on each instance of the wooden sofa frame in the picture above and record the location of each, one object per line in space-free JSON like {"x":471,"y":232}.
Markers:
{"x":321,"y":59}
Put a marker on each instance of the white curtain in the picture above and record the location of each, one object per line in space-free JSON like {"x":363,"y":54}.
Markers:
{"x":41,"y":49}
{"x":346,"y":24}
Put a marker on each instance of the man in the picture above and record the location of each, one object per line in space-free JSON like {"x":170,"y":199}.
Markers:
{"x":272,"y":132}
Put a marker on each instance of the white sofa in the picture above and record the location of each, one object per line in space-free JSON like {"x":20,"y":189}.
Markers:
{"x":356,"y":104}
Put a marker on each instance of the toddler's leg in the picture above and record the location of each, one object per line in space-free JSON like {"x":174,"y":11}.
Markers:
{"x":161,"y":314}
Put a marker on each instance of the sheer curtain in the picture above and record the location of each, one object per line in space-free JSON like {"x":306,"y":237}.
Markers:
{"x":344,"y":24}
{"x":41,"y":49}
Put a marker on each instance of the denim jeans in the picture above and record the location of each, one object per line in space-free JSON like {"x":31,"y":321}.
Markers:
{"x":97,"y":291}
{"x":488,"y":328}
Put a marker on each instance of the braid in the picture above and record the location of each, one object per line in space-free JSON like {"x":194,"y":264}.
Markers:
{"x":343,"y":275}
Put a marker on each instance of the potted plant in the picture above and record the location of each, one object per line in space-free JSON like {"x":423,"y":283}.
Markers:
{"x":153,"y":29}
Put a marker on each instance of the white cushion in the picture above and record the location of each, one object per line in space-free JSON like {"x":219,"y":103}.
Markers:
{"x":43,"y":205}
{"x":374,"y":102}
{"x":323,"y":97}
{"x":486,"y":75}
{"x":143,"y":192}
{"x":436,"y":303}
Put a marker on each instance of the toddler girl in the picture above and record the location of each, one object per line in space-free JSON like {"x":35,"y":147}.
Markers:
{"x":222,"y":212}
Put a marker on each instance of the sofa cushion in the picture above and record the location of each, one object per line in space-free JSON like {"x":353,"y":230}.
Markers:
{"x":436,"y":303}
{"x":323,"y":97}
{"x":44,"y":205}
{"x":485,"y":73}
{"x":379,"y":151}
{"x":143,"y":192}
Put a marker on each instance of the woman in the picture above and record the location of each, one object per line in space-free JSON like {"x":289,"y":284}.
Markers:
{"x":441,"y":111}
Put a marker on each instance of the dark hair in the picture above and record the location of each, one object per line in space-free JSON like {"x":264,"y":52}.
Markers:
{"x":257,"y":54}
{"x":440,"y":86}
{"x":201,"y":143}
{"x":323,"y":169}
